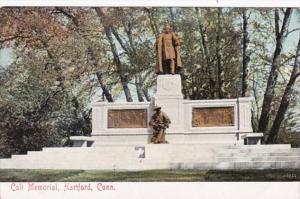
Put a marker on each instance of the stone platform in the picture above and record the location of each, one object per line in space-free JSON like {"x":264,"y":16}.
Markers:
{"x":164,"y":156}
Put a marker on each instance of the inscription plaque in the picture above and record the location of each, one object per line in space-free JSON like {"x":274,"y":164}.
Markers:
{"x":212,"y":116}
{"x":127,"y":118}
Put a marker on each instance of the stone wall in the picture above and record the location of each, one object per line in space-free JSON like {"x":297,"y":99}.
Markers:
{"x":220,"y":120}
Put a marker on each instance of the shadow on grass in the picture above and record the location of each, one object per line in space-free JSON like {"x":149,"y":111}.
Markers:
{"x":11,"y":175}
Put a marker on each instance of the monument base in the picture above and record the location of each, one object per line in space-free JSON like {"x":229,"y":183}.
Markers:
{"x":192,"y":121}
{"x":158,"y":156}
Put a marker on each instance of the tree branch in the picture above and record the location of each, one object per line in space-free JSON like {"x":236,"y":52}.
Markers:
{"x":289,"y":32}
{"x":276,"y":22}
{"x":12,"y":38}
{"x":117,"y":36}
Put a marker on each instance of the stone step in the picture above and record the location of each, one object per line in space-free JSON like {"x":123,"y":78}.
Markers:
{"x":184,"y":149}
{"x":258,"y":150}
{"x":91,"y":149}
{"x":73,"y":159}
{"x":77,"y":163}
{"x":253,"y":150}
{"x":22,"y":156}
{"x":197,"y":145}
{"x":262,"y":146}
{"x":125,"y":157}
{"x":134,"y":164}
{"x":264,"y":158}
{"x":236,"y":159}
{"x":258,"y":154}
{"x":236,"y":165}
{"x":96,"y":153}
{"x":129,"y":152}
{"x":234,"y":154}
{"x":207,"y":157}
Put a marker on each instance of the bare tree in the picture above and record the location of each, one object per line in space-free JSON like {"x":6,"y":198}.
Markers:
{"x":269,"y":93}
{"x":204,"y":41}
{"x":153,"y":24}
{"x":219,"y":56}
{"x":286,"y":98}
{"x":108,"y":32}
{"x":92,"y":57}
{"x":246,"y":56}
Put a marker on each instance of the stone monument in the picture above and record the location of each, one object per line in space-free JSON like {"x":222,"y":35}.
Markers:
{"x":199,"y":121}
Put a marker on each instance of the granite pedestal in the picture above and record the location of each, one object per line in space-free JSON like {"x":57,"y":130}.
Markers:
{"x":192,"y":121}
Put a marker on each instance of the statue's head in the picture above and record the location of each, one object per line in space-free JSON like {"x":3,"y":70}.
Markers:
{"x":157,"y":108}
{"x":168,"y":28}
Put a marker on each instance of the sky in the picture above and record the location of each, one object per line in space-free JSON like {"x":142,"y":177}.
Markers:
{"x":292,"y":39}
{"x":5,"y":56}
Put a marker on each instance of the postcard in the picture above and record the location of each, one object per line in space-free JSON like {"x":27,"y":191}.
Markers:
{"x":135,"y":99}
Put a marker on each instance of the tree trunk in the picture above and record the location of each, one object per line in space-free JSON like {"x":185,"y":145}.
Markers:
{"x":117,"y":61}
{"x":126,"y":89}
{"x":254,"y":89}
{"x":269,"y":93}
{"x":138,"y":76}
{"x":105,"y":91}
{"x":153,"y":25}
{"x":285,"y":100}
{"x":146,"y":94}
{"x":212,"y":81}
{"x":138,"y":89}
{"x":219,"y":57}
{"x":104,"y":88}
{"x":246,"y":57}
{"x":172,"y":14}
{"x":130,"y":50}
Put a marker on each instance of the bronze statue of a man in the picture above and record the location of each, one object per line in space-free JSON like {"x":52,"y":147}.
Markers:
{"x":168,"y":59}
{"x":159,"y":122}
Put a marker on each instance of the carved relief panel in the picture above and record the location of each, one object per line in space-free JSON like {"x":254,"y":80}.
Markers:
{"x":127,"y":118}
{"x":212,"y":116}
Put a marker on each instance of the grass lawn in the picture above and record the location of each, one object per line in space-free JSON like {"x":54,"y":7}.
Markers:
{"x":9,"y":175}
